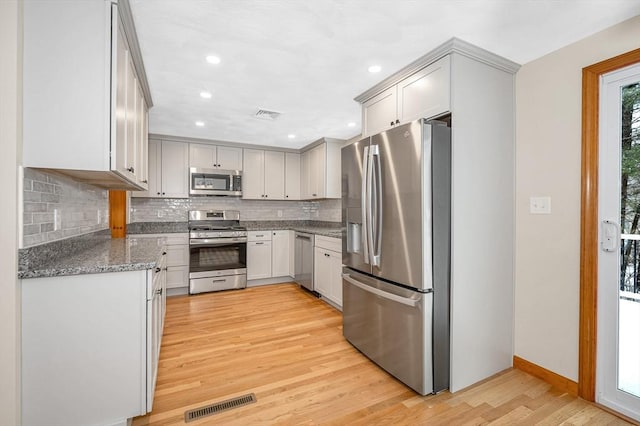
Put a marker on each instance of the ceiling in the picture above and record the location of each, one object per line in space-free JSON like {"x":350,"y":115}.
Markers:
{"x":308,"y":59}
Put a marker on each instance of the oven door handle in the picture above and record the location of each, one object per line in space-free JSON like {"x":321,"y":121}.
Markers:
{"x":216,"y":241}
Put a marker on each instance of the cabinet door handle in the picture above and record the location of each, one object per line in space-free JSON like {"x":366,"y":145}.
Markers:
{"x":286,"y":196}
{"x":131,"y":169}
{"x":158,"y":269}
{"x":326,"y":255}
{"x":145,"y":181}
{"x":218,"y":281}
{"x":163,"y":193}
{"x":266,"y":195}
{"x":391,"y":124}
{"x":259,"y":244}
{"x":158,"y":193}
{"x":397,"y":121}
{"x":315,"y":195}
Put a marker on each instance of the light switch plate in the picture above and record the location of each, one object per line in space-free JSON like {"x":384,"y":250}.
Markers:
{"x":540,"y":205}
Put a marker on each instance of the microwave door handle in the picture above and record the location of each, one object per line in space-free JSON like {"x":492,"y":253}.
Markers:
{"x":363,"y":197}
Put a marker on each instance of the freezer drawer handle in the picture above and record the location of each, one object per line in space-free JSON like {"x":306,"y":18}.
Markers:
{"x":404,"y":300}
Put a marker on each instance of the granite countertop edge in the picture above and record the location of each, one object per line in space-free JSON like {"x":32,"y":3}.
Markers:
{"x":327,"y":229}
{"x":84,"y":270}
{"x":92,"y":253}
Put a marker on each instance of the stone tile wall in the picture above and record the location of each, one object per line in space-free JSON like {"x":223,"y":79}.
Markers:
{"x":57,"y":207}
{"x":176,"y":209}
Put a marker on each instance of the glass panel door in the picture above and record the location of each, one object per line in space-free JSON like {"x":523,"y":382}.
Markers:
{"x":618,"y":356}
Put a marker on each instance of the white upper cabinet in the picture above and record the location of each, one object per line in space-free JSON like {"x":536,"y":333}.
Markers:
{"x":174,"y":170}
{"x":263,"y":177}
{"x":202,"y":156}
{"x":168,"y":170}
{"x":142,"y":155}
{"x":320,"y":170}
{"x":292,"y":178}
{"x":253,"y":175}
{"x":423,"y":94}
{"x":380,"y":112}
{"x":205,"y":156}
{"x":274,"y":175}
{"x":229,"y":158}
{"x":85,"y":96}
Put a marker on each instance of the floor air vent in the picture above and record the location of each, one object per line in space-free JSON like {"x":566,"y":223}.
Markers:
{"x":219,"y":407}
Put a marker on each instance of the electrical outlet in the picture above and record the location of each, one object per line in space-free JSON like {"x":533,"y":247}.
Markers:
{"x":57,"y":219}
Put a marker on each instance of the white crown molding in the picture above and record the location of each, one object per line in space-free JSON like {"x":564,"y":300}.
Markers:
{"x":454,"y":45}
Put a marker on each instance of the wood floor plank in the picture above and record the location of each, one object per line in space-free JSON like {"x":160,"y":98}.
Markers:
{"x":286,"y":346}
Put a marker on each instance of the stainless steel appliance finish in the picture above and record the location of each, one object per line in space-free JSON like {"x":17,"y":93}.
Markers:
{"x":396,"y":212}
{"x":304,"y":260}
{"x":218,"y":251}
{"x":215,"y":182}
{"x":392,"y":326}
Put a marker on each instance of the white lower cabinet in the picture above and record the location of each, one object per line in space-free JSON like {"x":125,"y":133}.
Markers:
{"x":177,"y":245}
{"x":258,"y":255}
{"x":258,"y":260}
{"x":280,"y":253}
{"x":269,"y":255}
{"x":327,"y":268}
{"x":90,"y":346}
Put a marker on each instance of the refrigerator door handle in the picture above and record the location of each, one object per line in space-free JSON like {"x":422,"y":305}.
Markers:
{"x":365,"y":212}
{"x":376,"y":184}
{"x":369,"y":205}
{"x":393,"y":297}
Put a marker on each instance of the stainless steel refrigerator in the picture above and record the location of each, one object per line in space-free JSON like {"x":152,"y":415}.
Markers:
{"x":396,"y":210}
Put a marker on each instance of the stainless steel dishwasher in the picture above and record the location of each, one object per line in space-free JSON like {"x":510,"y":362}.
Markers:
{"x":304,"y":260}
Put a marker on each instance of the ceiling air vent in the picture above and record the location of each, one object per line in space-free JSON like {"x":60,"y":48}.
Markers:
{"x":264,"y":114}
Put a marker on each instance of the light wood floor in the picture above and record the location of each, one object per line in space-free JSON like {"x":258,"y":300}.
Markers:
{"x":286,"y":346}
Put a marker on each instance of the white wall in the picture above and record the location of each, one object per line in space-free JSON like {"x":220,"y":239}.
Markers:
{"x":548,"y":137}
{"x":10,"y":137}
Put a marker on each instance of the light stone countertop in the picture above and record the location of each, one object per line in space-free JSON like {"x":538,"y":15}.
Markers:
{"x":328,"y":229}
{"x":106,"y":255}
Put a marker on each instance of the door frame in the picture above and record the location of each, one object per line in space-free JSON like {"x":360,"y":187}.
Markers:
{"x":589,"y":218}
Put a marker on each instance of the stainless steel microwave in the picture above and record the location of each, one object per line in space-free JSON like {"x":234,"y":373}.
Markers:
{"x":215,"y":182}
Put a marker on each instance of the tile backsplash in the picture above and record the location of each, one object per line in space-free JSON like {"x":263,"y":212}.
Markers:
{"x":176,"y":209}
{"x":57,"y":207}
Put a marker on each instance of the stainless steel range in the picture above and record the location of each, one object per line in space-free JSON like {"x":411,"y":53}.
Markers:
{"x":218,"y":251}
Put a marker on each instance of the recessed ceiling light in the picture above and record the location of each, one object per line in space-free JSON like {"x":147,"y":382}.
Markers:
{"x":375,"y":68}
{"x":352,"y":124}
{"x":206,"y":95}
{"x":200,"y":123}
{"x":291,"y":136}
{"x":213,"y":59}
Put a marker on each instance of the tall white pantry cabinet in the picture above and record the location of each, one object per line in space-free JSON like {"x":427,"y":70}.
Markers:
{"x":86,"y":95}
{"x":474,"y":89}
